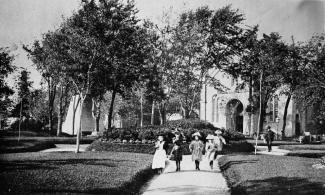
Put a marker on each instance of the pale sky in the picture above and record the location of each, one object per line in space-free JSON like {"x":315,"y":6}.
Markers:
{"x":23,"y":21}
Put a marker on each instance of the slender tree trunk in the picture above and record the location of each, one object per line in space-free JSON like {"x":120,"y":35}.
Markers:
{"x":111,"y":108}
{"x":20,"y":113}
{"x":96,"y":113}
{"x":141,"y":108}
{"x":152,"y":113}
{"x":79,"y":131}
{"x":75,"y":107}
{"x":51,"y":94}
{"x":260,"y":120}
{"x":50,"y":111}
{"x":285,"y":115}
{"x":205,"y":102}
{"x":74,"y":114}
{"x":59,"y":130}
{"x":250,"y":100}
{"x":160,"y":115}
{"x":97,"y":122}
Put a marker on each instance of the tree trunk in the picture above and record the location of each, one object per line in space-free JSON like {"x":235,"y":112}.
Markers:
{"x":141,"y":108}
{"x":152,"y":113}
{"x":250,"y":100}
{"x":80,"y":123}
{"x":110,"y":114}
{"x":75,"y":106}
{"x":160,"y":115}
{"x":285,"y":115}
{"x":97,"y":123}
{"x":60,"y":115}
{"x":260,"y":118}
{"x":51,"y":94}
{"x":96,"y":113}
{"x":20,"y":113}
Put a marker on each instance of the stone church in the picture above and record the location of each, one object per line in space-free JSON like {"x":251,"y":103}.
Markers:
{"x":228,"y":110}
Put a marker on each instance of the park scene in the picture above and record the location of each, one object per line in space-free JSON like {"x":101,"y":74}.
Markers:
{"x":162,"y":97}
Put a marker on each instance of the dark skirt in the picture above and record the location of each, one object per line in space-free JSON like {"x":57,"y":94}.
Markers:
{"x":178,"y":154}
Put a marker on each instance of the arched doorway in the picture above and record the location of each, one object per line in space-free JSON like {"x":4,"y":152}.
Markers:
{"x":234,"y":115}
{"x":297,"y":129}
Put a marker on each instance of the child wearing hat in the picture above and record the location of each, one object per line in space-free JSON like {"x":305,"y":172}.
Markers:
{"x":218,"y":141}
{"x":196,"y":148}
{"x":177,"y":154}
{"x":160,"y":157}
{"x":210,"y":150}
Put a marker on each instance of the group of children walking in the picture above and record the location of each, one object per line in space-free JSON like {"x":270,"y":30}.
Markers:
{"x":213,"y":147}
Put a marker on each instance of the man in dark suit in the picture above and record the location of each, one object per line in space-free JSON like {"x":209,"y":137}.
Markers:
{"x":269,"y":137}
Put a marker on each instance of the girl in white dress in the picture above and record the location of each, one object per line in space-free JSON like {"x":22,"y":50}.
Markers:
{"x":160,"y":157}
{"x":210,"y":150}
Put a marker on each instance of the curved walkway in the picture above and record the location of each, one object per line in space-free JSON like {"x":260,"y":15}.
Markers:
{"x":188,"y":180}
{"x":66,"y":148}
{"x":275,"y":151}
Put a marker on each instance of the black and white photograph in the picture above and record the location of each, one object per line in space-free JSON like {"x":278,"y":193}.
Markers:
{"x":162,"y":97}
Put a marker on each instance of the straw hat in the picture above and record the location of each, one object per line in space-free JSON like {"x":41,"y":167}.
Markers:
{"x":210,"y":136}
{"x":218,"y":132}
{"x":196,"y":134}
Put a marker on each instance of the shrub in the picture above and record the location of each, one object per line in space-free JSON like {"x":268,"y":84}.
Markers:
{"x":190,"y":124}
{"x":230,"y":134}
{"x":186,"y":126}
{"x":27,"y":124}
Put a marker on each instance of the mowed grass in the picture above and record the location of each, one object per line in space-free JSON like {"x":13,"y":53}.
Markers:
{"x":266,"y":174}
{"x":14,"y":146}
{"x":34,"y":141}
{"x":67,"y":172}
{"x":303,"y":147}
{"x":306,"y":150}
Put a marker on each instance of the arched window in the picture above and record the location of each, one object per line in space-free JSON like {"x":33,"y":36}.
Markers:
{"x":274,"y":108}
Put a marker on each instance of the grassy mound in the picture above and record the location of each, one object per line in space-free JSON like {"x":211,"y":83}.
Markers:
{"x":264,"y":174}
{"x":70,"y":173}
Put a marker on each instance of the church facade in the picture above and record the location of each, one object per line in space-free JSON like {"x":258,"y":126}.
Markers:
{"x":228,"y":110}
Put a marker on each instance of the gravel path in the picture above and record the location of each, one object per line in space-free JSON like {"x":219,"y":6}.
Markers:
{"x":188,"y":180}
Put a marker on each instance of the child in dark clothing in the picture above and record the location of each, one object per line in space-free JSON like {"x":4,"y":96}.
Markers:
{"x":177,"y":154}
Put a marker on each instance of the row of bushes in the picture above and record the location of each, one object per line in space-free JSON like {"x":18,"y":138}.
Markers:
{"x":187,"y":127}
{"x":232,"y":147}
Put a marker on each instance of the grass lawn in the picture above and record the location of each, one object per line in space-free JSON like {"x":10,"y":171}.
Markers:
{"x":34,"y":141}
{"x":13,"y":146}
{"x":266,"y":174}
{"x":306,"y":150}
{"x":66,"y":172}
{"x":303,"y":147}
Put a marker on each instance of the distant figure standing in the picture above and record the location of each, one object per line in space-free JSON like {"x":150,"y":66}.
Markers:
{"x":210,"y":150}
{"x":218,"y":141}
{"x":196,"y":148}
{"x":177,"y":154}
{"x":269,"y":137}
{"x":160,"y":157}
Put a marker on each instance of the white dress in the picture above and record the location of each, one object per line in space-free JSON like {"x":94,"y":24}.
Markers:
{"x":160,"y":157}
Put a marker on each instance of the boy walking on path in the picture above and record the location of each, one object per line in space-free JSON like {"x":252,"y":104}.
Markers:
{"x":269,"y":137}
